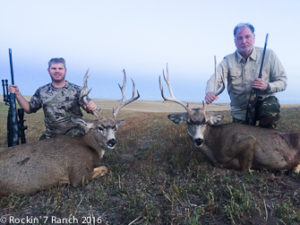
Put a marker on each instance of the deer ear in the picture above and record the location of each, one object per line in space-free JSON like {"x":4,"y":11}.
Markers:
{"x":84,"y":124}
{"x":177,"y":118}
{"x":213,"y":119}
{"x":120,"y":122}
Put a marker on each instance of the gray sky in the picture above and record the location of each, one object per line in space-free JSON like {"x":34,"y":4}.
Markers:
{"x":141,"y":36}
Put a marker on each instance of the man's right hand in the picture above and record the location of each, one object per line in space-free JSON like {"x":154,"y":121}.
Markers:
{"x":210,"y":97}
{"x":14,"y":89}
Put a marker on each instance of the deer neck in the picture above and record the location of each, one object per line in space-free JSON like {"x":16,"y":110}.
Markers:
{"x":213,"y":135}
{"x":90,"y":140}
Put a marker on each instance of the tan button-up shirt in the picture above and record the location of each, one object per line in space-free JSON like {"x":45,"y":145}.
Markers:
{"x":239,"y":73}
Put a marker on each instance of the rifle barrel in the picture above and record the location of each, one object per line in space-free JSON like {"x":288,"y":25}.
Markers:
{"x":263,"y":57}
{"x":11,"y":66}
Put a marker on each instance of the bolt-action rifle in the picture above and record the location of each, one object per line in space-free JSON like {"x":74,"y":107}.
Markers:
{"x":15,"y":126}
{"x":251,"y":112}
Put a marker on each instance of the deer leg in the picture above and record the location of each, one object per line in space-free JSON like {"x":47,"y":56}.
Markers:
{"x":297,"y":169}
{"x":241,"y":152}
{"x":246,"y":152}
{"x":209,"y":154}
{"x":79,"y":176}
{"x":99,"y":171}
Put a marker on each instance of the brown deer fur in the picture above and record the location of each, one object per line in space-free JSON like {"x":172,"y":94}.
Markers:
{"x":241,"y":146}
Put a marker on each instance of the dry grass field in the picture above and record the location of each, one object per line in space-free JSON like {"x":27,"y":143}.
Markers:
{"x":156,"y":177}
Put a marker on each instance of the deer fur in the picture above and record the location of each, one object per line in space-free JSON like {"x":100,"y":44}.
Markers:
{"x":240,"y":146}
{"x":62,"y":160}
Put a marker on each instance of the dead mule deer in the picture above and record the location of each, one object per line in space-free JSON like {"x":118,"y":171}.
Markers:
{"x":235,"y":145}
{"x":32,"y":167}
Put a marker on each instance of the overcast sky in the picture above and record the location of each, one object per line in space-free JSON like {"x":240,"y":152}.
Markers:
{"x":141,"y":36}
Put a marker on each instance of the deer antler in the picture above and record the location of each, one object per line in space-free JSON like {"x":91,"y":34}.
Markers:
{"x":221,"y":89}
{"x":172,"y":99}
{"x":123,"y":101}
{"x":84,"y":95}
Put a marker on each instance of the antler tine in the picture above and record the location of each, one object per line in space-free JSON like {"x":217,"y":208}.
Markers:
{"x":166,"y":78}
{"x":97,"y":113}
{"x":123,"y":87}
{"x":84,"y":94}
{"x":173,"y":98}
{"x":221,"y":89}
{"x":123,"y":102}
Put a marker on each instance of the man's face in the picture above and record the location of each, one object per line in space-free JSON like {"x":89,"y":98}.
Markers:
{"x":244,"y":41}
{"x":57,"y":72}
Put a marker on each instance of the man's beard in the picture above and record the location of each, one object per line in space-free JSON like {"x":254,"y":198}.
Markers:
{"x":247,"y":51}
{"x":58,"y":80}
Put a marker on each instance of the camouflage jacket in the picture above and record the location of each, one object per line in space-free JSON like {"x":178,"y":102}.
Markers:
{"x":59,"y":105}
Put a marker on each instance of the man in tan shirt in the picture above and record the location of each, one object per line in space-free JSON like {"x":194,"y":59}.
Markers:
{"x":240,"y":70}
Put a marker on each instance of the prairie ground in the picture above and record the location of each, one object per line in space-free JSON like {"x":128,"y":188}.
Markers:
{"x":156,"y":176}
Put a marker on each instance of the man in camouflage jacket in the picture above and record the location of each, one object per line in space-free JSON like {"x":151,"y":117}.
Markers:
{"x":59,"y":100}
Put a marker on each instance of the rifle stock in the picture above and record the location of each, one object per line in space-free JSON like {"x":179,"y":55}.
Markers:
{"x":251,"y":111}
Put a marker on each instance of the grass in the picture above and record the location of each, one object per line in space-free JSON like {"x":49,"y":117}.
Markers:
{"x":156,"y":176}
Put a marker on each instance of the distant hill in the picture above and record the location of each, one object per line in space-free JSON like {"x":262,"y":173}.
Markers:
{"x":160,"y":106}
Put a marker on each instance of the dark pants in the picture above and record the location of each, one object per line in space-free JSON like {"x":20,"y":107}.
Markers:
{"x":266,"y":112}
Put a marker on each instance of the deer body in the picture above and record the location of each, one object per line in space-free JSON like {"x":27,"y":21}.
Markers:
{"x":32,"y":167}
{"x":36,"y":166}
{"x":242,"y":147}
{"x":235,"y":145}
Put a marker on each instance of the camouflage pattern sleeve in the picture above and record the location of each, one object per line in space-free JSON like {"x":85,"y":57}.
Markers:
{"x":35,"y":102}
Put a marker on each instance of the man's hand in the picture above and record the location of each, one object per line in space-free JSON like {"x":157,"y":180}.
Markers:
{"x":91,"y":106}
{"x":14,"y":89}
{"x":260,"y":84}
{"x":210,"y":97}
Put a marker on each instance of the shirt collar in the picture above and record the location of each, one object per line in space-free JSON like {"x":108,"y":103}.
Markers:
{"x":54,"y":88}
{"x":253,"y":56}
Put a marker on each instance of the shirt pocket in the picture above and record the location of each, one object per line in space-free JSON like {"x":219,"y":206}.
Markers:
{"x":235,"y":79}
{"x":236,"y":83}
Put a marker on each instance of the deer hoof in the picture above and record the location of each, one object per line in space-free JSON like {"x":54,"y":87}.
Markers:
{"x":297,"y":169}
{"x":99,"y":171}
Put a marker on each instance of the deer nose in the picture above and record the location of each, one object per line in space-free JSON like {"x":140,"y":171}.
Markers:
{"x":198,"y":142}
{"x":111,"y":143}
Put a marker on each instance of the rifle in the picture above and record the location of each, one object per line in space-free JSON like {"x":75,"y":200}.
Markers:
{"x":15,"y":127}
{"x":251,"y":112}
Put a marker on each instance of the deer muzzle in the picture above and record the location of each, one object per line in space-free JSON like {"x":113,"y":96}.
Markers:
{"x":198,"y":142}
{"x":196,"y":133}
{"x":111,"y":143}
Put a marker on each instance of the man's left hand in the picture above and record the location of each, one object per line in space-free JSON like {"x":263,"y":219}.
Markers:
{"x":91,"y":106}
{"x":260,"y":84}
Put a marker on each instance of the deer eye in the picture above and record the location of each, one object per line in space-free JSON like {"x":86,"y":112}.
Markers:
{"x":100,"y":129}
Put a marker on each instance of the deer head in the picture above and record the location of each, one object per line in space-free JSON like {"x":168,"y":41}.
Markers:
{"x":104,"y":129}
{"x":196,"y":119}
